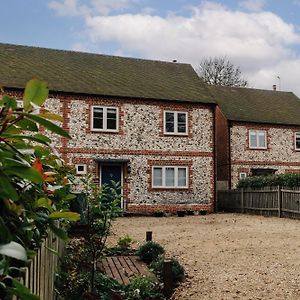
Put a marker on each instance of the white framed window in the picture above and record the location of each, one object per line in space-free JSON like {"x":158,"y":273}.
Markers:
{"x":20,"y":103}
{"x":169,"y":177}
{"x":297,"y":141}
{"x":257,"y":139}
{"x":176,"y":122}
{"x":104,"y":118}
{"x":80,"y":169}
{"x":242,"y":175}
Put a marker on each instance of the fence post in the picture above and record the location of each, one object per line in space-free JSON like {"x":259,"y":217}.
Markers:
{"x":148,"y":236}
{"x":167,"y":278}
{"x":279,"y":201}
{"x":242,"y":201}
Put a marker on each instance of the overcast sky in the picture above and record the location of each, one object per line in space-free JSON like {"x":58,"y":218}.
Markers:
{"x":260,"y":36}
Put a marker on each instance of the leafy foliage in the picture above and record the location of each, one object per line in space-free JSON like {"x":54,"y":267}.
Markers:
{"x":220,"y":71}
{"x":34,"y":185}
{"x":287,"y":180}
{"x":74,"y":278}
{"x":123,"y":247}
{"x":102,"y":206}
{"x":105,"y":286}
{"x":177,"y":269}
{"x":150,"y":251}
{"x":142,"y":288}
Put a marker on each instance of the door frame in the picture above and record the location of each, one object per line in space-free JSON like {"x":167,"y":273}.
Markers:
{"x":122,"y":178}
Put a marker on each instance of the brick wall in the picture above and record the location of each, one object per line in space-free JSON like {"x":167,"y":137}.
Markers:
{"x":280,"y":153}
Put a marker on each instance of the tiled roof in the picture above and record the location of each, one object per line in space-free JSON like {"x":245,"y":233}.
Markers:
{"x":260,"y":106}
{"x":86,"y":73}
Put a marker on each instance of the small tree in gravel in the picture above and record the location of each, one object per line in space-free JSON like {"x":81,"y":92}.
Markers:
{"x":103,"y":206}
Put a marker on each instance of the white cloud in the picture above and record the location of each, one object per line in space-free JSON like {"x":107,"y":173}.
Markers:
{"x":90,"y":7}
{"x":253,"y":5}
{"x":261,"y":43}
{"x":104,"y":7}
{"x":65,"y":8}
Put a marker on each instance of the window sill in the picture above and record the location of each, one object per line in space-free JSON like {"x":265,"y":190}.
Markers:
{"x":176,"y":134}
{"x":251,"y":148}
{"x":104,"y":131}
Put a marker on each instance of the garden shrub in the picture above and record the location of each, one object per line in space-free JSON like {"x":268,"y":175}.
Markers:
{"x":124,"y":242}
{"x":34,"y":184}
{"x":177,"y":269}
{"x":143,"y":288}
{"x":104,"y":286}
{"x":286,"y":180}
{"x":150,"y":251}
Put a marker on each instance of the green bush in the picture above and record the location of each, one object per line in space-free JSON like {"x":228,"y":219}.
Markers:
{"x":142,"y":288}
{"x":105,"y":285}
{"x":286,"y":180}
{"x":150,"y":251}
{"x":177,"y":269}
{"x":124,"y":242}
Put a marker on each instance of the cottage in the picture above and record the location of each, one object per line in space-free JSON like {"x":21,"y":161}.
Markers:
{"x":257,"y":133}
{"x":147,"y":124}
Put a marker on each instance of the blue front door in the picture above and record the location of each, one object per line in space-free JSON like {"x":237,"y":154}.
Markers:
{"x":111,"y":173}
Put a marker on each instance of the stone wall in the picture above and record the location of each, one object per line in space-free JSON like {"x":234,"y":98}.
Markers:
{"x":280,"y":153}
{"x":141,"y":140}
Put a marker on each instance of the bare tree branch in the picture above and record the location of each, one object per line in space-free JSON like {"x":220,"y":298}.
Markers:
{"x":220,"y":71}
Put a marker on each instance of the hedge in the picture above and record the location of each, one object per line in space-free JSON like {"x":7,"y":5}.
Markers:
{"x":286,"y":180}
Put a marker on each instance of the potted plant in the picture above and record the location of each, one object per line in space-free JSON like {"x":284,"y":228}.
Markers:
{"x":159,"y":214}
{"x":203,"y":212}
{"x":180,"y":213}
{"x":189,"y":212}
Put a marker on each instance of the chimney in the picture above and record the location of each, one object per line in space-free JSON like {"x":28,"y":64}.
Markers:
{"x":274,"y":87}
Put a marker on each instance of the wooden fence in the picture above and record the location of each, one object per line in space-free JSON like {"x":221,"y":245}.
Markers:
{"x":39,"y":274}
{"x":281,"y":202}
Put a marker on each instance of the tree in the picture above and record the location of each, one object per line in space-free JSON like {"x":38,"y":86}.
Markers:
{"x":220,"y":71}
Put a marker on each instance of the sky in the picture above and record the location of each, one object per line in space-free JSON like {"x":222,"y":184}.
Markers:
{"x":262,"y":37}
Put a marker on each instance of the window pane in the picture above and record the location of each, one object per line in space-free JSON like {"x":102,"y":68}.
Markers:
{"x":181,"y":121}
{"x":182,"y":177}
{"x":169,"y":117}
{"x":157,"y":176}
{"x":169,"y":127}
{"x":111,"y":124}
{"x":298,"y":141}
{"x":111,"y":118}
{"x":98,"y":117}
{"x":170,"y":174}
{"x":181,"y":128}
{"x":98,"y":112}
{"x":169,"y":122}
{"x":262,"y":139}
{"x":182,"y":118}
{"x":111,"y":113}
{"x":253,"y":140}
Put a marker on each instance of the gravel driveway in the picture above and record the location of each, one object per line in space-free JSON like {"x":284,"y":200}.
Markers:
{"x":226,"y":256}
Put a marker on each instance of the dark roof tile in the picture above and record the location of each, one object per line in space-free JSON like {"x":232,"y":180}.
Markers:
{"x":86,"y":73}
{"x":259,"y":106}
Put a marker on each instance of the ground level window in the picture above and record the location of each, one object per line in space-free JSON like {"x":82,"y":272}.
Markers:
{"x":80,"y":169}
{"x":242,"y":175}
{"x":169,"y":177}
